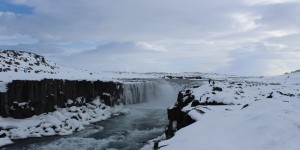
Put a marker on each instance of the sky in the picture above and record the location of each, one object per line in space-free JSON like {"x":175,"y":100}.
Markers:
{"x":242,"y":37}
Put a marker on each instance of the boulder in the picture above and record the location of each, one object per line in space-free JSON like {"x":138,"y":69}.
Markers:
{"x":217,"y":89}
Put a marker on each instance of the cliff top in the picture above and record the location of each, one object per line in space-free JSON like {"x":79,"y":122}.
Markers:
{"x":256,"y":113}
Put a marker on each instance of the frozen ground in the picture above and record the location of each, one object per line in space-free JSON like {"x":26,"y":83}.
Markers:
{"x":250,"y":121}
{"x":263,"y":115}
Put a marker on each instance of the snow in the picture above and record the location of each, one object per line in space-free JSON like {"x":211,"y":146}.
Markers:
{"x":31,"y":66}
{"x":253,"y":122}
{"x":63,"y":121}
{"x":249,"y":121}
{"x":5,"y":141}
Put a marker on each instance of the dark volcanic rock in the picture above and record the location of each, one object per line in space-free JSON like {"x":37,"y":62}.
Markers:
{"x":270,"y":96}
{"x":246,"y":105}
{"x":177,"y":118}
{"x":285,"y":94}
{"x":213,"y":103}
{"x":195,"y":103}
{"x":217,"y":89}
{"x":26,"y":98}
{"x":2,"y":135}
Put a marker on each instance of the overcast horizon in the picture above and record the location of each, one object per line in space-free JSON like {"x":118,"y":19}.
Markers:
{"x":242,"y":37}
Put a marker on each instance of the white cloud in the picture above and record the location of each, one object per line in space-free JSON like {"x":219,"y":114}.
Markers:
{"x":153,"y":35}
{"x":280,"y":33}
{"x":268,"y":2}
{"x":246,"y":21}
{"x":152,"y":47}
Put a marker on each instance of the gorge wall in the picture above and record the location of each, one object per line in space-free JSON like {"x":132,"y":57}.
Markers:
{"x":25,"y":98}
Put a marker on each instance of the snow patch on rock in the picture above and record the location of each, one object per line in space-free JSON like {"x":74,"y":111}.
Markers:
{"x":63,"y":121}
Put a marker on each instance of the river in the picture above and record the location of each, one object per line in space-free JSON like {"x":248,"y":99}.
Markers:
{"x":146,"y":120}
{"x":123,"y":132}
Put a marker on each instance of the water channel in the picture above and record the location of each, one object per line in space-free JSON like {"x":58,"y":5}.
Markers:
{"x":146,"y":121}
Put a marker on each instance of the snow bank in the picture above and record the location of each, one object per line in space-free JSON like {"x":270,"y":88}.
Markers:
{"x":63,"y":121}
{"x":263,"y":115}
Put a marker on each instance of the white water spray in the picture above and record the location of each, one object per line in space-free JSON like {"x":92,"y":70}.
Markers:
{"x":159,"y":91}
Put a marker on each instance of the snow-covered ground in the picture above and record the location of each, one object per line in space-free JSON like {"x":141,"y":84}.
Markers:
{"x":263,"y":114}
{"x":63,"y":121}
{"x":21,"y":65}
{"x":251,"y":120}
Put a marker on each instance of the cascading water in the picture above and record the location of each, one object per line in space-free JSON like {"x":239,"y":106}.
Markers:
{"x":149,"y":91}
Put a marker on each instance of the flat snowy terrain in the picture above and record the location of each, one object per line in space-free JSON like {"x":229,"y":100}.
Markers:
{"x":262,"y":114}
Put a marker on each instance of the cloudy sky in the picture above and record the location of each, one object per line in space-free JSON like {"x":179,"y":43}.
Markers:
{"x":244,"y":37}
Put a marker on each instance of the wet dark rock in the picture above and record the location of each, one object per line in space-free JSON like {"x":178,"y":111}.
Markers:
{"x":107,"y":99}
{"x":37,"y":97}
{"x":194,"y":77}
{"x":189,"y":100}
{"x":270,"y":95}
{"x":2,"y":135}
{"x":195,"y":103}
{"x":196,"y":86}
{"x":187,"y":120}
{"x":177,"y":118}
{"x":246,"y":105}
{"x":285,"y":94}
{"x":183,"y":77}
{"x":217,"y":89}
{"x":213,"y":103}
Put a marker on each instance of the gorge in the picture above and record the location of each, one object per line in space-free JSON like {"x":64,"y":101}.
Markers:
{"x":147,"y":100}
{"x":45,"y":106}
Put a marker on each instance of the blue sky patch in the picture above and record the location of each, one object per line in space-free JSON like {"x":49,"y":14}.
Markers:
{"x":6,"y":6}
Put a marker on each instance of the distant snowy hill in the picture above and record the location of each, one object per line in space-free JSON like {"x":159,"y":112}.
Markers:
{"x":21,"y":65}
{"x":27,"y":62}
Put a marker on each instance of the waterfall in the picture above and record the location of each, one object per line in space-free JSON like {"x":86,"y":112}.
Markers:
{"x":149,"y":90}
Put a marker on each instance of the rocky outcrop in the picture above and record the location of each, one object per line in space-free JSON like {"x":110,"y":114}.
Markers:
{"x":27,"y":62}
{"x":178,"y":118}
{"x":182,"y":77}
{"x":27,"y":98}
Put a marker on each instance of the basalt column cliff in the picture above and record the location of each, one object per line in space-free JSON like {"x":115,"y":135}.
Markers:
{"x":25,"y":98}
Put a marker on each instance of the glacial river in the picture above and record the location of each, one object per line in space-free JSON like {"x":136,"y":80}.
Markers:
{"x":123,"y":132}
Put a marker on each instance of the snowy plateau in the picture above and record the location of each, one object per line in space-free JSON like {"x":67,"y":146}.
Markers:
{"x":257,"y":113}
